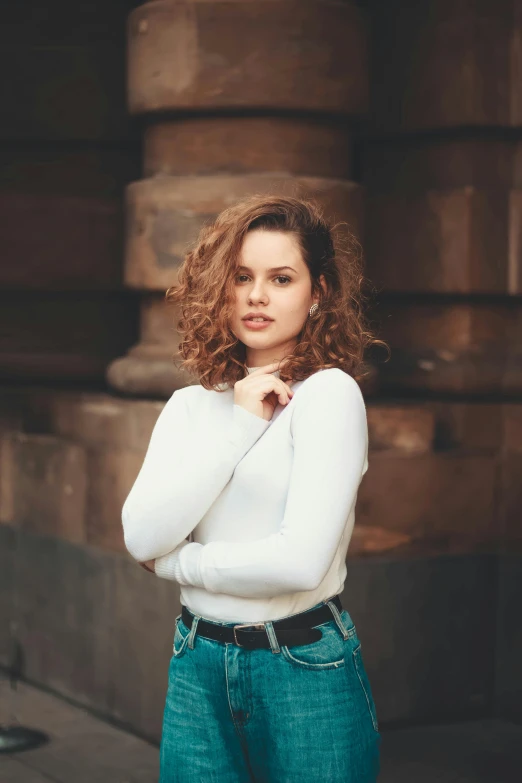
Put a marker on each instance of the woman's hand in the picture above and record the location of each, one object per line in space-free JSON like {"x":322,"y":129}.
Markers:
{"x":260,"y":391}
{"x":148,"y":565}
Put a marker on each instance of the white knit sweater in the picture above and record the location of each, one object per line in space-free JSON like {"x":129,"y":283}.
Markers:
{"x":270,"y":504}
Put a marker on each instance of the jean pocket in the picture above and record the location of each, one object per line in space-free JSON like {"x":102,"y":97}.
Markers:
{"x":326,"y":653}
{"x":360,"y":670}
{"x":181,"y":636}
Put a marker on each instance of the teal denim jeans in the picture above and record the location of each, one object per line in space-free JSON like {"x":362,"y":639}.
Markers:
{"x":298,"y":714}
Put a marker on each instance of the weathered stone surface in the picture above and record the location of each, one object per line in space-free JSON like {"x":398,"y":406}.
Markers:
{"x":7,"y":477}
{"x":145,"y":609}
{"x":101,"y":421}
{"x":92,"y":419}
{"x":407,"y":429}
{"x":65,"y":617}
{"x":512,"y":427}
{"x":58,"y":242}
{"x":447,"y":499}
{"x":63,"y":337}
{"x":510,"y":503}
{"x":158,"y":324}
{"x":319,"y":147}
{"x":165,"y":215}
{"x":439,"y":241}
{"x":46,"y":479}
{"x":459,"y":347}
{"x":79,"y":25}
{"x":422,"y":623}
{"x":414,"y":164}
{"x":207,"y":55}
{"x":435,"y":68}
{"x":370,"y":539}
{"x":152,"y":367}
{"x":57,"y":170}
{"x":469,"y":426}
{"x":67,"y":150}
{"x":8,"y":607}
{"x":111,"y":435}
{"x":514,"y":259}
{"x":10,"y":421}
{"x":63,"y":91}
{"x":508,"y":627}
{"x":510,"y":500}
{"x":112,"y":472}
{"x":146,"y":371}
{"x":95,"y":627}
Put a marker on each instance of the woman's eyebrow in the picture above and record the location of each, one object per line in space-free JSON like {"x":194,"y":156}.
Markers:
{"x":272,"y":269}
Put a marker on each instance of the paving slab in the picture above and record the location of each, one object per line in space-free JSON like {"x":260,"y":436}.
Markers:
{"x":82,"y":748}
{"x":479,"y":751}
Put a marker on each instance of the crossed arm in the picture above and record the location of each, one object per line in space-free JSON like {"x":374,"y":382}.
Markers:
{"x":185,"y":468}
{"x":330,"y":437}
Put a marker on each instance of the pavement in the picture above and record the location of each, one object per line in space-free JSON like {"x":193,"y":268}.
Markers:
{"x":86,"y":749}
{"x":82,"y":748}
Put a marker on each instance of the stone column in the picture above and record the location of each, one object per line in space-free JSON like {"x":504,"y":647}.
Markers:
{"x":66,"y":150}
{"x":237,"y":98}
{"x":444,"y":179}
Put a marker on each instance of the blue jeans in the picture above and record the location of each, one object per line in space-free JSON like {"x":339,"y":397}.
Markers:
{"x":298,"y":714}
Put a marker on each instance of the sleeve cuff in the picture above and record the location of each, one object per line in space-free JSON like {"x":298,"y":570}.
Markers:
{"x":181,"y":565}
{"x":169,"y":567}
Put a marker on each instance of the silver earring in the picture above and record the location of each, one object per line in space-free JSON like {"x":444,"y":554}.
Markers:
{"x":313,"y":308}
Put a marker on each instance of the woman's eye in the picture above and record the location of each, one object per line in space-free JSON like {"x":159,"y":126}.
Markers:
{"x":278,"y":277}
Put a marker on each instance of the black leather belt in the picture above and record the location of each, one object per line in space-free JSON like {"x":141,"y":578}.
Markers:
{"x":296,"y":629}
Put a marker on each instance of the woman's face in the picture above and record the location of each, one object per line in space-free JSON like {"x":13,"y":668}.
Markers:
{"x":282,"y":294}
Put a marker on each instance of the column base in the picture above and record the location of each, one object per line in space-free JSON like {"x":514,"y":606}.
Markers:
{"x":146,"y":372}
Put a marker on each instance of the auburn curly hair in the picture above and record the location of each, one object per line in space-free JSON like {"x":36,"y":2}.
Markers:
{"x":336,"y":336}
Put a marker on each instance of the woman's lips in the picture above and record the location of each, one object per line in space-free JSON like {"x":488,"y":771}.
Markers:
{"x":257,"y":324}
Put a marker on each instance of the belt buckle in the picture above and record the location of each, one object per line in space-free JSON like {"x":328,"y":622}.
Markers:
{"x":246,"y":625}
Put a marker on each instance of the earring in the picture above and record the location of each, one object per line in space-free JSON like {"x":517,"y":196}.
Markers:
{"x":313,"y":308}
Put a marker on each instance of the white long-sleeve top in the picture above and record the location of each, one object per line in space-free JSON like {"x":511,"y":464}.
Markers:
{"x":270,"y":504}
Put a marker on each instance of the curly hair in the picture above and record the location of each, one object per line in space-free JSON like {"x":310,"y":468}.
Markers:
{"x":336,"y":336}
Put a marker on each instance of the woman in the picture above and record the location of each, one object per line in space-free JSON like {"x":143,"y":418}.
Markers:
{"x":259,"y":467}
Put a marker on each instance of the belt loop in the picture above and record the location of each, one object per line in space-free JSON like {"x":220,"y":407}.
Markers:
{"x":338,"y":619}
{"x":272,"y":638}
{"x":195,"y":620}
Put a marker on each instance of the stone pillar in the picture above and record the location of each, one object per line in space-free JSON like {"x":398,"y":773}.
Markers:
{"x":238,"y":98}
{"x":444,"y":181}
{"x":66,"y":150}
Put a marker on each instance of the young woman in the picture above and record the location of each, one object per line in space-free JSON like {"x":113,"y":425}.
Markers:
{"x":246,"y":498}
